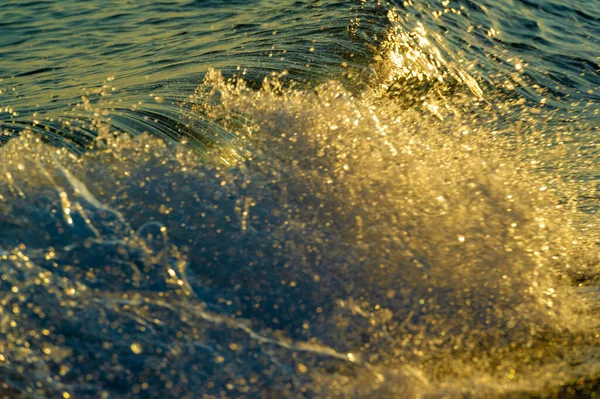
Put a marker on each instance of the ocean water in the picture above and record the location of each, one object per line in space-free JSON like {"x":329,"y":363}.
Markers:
{"x":312,"y":198}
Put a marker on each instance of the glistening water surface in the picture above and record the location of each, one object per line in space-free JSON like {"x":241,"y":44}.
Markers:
{"x":339,"y":199}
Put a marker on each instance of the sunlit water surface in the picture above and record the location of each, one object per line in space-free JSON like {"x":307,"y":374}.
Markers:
{"x":341,"y":199}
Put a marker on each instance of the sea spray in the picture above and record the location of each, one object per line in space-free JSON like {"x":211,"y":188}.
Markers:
{"x":401,"y":217}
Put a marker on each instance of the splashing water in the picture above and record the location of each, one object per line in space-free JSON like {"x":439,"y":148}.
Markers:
{"x":385,"y":221}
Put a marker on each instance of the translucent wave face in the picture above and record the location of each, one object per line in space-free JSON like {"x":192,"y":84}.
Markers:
{"x":410,"y":67}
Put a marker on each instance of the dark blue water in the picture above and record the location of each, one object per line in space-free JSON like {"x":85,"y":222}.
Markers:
{"x":341,"y":199}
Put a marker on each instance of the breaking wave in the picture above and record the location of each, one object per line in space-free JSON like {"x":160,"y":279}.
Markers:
{"x":385,"y":220}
